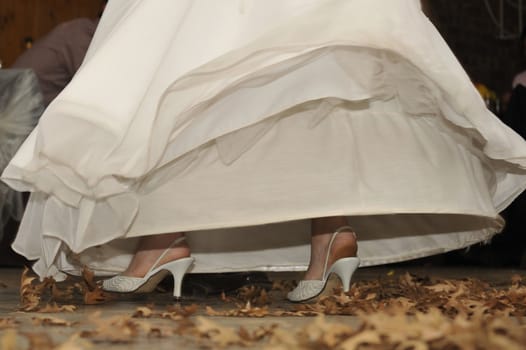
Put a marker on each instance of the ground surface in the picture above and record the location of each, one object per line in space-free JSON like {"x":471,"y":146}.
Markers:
{"x":430,"y":308}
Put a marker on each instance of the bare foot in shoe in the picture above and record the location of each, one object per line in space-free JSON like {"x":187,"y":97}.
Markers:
{"x":343,"y":246}
{"x":150,"y":248}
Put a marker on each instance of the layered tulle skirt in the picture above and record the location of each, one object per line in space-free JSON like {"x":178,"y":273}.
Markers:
{"x":237,"y":121}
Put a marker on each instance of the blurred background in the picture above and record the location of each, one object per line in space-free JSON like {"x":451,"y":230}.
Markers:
{"x":24,"y":21}
{"x":485,"y":35}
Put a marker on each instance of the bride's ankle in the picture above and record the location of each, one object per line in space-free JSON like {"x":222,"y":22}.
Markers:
{"x":167,"y":247}
{"x":330,"y":247}
{"x":322,"y":232}
{"x":344,"y":245}
{"x":337,"y":245}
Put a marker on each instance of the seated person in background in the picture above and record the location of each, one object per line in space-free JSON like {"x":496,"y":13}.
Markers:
{"x":56,"y":57}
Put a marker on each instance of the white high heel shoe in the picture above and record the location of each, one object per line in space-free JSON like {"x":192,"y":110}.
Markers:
{"x":344,"y":268}
{"x":146,"y":284}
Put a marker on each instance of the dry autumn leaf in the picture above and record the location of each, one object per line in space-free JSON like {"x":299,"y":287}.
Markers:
{"x":178,"y":312}
{"x":517,"y":279}
{"x":9,"y":340}
{"x":365,"y":337}
{"x":62,"y":295}
{"x":40,"y":341}
{"x":116,"y":329}
{"x":211,"y":312}
{"x":241,"y":311}
{"x":221,"y":336}
{"x":254,"y":295}
{"x":51,"y":321}
{"x":29,"y":295}
{"x":54,"y":308}
{"x":321,"y":334}
{"x":8,"y":323}
{"x":185,"y":311}
{"x":143,"y":312}
{"x":75,"y":343}
{"x":89,"y":278}
{"x":283,"y":286}
{"x":155,"y":331}
{"x":282,"y":340}
{"x":251,"y":311}
{"x":93,"y":293}
{"x":97,"y":296}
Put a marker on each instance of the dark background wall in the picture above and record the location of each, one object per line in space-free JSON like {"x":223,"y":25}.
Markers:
{"x":468,"y":29}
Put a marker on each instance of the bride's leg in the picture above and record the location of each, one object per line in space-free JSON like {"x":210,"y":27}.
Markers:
{"x":343,"y":246}
{"x":150,"y":248}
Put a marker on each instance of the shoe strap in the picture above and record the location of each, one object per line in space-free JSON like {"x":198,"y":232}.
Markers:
{"x":341,"y":229}
{"x":174,"y":243}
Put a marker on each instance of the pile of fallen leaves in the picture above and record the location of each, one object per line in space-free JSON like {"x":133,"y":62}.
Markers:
{"x":392,"y":312}
{"x":43,"y":296}
{"x":468,"y":297}
{"x":393,"y":330}
{"x":407,"y":293}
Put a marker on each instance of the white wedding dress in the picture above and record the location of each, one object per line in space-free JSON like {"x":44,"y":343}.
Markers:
{"x":237,"y":120}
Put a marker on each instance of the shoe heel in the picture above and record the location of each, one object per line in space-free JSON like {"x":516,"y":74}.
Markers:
{"x":345,"y":268}
{"x":178,"y":269}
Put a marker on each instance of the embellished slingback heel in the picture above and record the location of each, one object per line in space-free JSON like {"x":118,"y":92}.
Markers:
{"x":146,"y":284}
{"x":344,"y":268}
